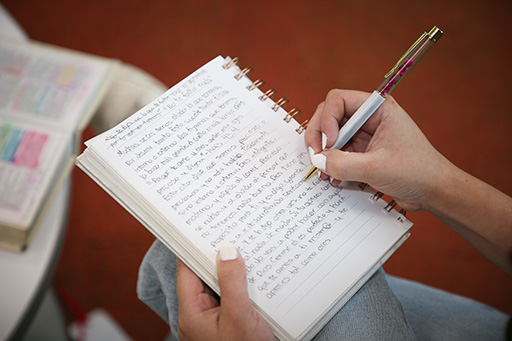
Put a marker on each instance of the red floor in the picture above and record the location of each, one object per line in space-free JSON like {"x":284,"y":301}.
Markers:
{"x":458,"y":94}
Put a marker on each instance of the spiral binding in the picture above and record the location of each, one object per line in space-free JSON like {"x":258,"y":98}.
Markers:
{"x":229,"y":64}
{"x":268,"y":94}
{"x":256,"y":84}
{"x":281,"y":103}
{"x":377,"y":196}
{"x":302,"y":127}
{"x":389,"y":207}
{"x":291,"y":115}
{"x":242,"y":73}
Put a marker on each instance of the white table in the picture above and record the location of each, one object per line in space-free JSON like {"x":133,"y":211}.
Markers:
{"x":25,"y":277}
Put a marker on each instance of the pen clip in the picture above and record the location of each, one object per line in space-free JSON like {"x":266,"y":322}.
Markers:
{"x":434,"y":34}
{"x":406,"y":54}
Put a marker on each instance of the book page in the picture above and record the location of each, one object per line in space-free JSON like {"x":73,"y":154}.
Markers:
{"x":221,"y":165}
{"x":29,"y":157}
{"x":49,"y":86}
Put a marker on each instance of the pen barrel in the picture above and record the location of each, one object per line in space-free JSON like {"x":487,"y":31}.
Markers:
{"x":357,"y":120}
{"x":407,"y":63}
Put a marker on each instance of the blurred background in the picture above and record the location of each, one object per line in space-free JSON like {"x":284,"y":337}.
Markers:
{"x":459,"y":95}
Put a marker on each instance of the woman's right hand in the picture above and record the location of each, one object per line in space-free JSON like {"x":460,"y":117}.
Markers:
{"x":390,"y":152}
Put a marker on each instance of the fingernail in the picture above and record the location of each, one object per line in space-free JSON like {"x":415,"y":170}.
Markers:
{"x":324,"y":141}
{"x":319,"y":161}
{"x":228,"y":252}
{"x":311,"y":153}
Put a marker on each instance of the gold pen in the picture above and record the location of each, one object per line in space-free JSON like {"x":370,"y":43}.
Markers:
{"x":392,"y":78}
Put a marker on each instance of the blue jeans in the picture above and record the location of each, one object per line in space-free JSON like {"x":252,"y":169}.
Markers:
{"x":385,"y":308}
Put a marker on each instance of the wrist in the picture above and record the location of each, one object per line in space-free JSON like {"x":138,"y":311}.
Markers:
{"x":456,"y":197}
{"x":442,"y":187}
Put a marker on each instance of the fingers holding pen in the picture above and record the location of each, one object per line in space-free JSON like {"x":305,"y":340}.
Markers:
{"x":324,"y":125}
{"x":331,"y":114}
{"x":339,"y":106}
{"x":342,"y":165}
{"x":323,"y":128}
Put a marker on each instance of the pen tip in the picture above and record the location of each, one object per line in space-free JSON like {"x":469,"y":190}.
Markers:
{"x":311,"y":172}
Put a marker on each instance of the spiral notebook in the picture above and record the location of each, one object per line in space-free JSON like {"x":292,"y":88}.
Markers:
{"x":216,"y":159}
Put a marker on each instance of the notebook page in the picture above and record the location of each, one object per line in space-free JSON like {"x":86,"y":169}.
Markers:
{"x":223,"y":166}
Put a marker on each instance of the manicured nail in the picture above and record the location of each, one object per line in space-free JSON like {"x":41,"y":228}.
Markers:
{"x":324,"y":141}
{"x":228,"y":252}
{"x":311,"y":152}
{"x":319,"y":161}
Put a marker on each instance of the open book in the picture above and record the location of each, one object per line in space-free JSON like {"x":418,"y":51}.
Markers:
{"x":47,"y":96}
{"x":214,"y":159}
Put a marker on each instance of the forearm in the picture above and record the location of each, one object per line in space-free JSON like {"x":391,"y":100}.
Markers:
{"x":475,"y":210}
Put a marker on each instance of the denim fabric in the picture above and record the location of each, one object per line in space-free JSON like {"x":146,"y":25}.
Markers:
{"x":373,"y":313}
{"x":439,"y":315}
{"x":156,"y":285}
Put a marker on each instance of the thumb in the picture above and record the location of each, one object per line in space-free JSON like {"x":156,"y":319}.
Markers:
{"x":350,"y":166}
{"x":232,"y":279}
